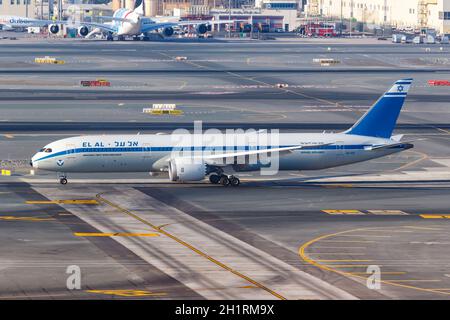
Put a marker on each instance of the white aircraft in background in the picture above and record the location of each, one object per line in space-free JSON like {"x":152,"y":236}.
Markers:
{"x":133,"y":23}
{"x":369,"y":138}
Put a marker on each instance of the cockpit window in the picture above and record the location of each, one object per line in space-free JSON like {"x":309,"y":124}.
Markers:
{"x":46,"y":150}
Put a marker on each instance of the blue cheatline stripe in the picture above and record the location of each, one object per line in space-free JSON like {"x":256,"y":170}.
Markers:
{"x":403,"y":82}
{"x":170,"y":149}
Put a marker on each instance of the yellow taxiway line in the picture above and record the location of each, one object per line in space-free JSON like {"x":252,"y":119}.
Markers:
{"x":331,"y":268}
{"x":12,"y":218}
{"x":189,"y":246}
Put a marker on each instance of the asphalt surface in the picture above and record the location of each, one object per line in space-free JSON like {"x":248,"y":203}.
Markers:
{"x":300,"y":235}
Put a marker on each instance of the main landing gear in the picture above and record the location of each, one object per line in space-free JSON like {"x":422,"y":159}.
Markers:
{"x":224,"y":180}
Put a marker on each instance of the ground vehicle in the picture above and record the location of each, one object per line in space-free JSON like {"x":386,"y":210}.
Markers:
{"x":95,"y":83}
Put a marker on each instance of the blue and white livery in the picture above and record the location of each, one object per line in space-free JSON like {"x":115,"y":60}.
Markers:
{"x":209,"y":154}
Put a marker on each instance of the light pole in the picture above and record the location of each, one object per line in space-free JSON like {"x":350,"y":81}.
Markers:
{"x":229,"y":18}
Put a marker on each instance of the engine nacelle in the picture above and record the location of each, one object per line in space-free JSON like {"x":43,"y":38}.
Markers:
{"x":53,"y":28}
{"x":186,"y":170}
{"x":168,"y":31}
{"x":202,"y":28}
{"x":83,"y":31}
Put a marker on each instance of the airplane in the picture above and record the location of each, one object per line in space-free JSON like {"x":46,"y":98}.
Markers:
{"x":15,"y":22}
{"x":125,"y":22}
{"x":369,"y":138}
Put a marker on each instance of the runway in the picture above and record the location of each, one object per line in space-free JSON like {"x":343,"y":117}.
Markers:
{"x":298,"y":235}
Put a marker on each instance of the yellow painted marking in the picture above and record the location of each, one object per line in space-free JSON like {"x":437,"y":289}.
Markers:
{"x":407,"y":165}
{"x":249,"y":287}
{"x":9,"y":136}
{"x":117,"y":234}
{"x":11,"y":218}
{"x":331,"y":268}
{"x":128,"y":293}
{"x":435,"y":216}
{"x":194,"y":249}
{"x":80,"y":201}
{"x":345,"y":212}
{"x":388,"y":212}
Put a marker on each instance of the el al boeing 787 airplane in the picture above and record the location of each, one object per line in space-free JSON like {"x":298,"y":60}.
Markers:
{"x":192,"y":157}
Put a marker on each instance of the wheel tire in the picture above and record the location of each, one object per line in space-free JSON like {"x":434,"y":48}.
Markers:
{"x":63,"y":181}
{"x":235,"y":182}
{"x":214,"y":178}
{"x":224,"y":181}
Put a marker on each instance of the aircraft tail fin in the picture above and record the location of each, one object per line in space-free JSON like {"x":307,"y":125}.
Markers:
{"x":139,"y":7}
{"x":380,"y":119}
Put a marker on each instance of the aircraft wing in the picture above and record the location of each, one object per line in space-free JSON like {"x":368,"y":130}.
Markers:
{"x":162,"y":25}
{"x":222,"y":158}
{"x":102,"y":26}
{"x":158,"y":25}
{"x":115,"y":19}
{"x":195,"y":22}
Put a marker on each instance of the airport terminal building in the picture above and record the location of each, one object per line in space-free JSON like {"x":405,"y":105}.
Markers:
{"x":401,"y":14}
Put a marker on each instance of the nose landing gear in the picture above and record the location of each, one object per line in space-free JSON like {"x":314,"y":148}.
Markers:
{"x":63,"y":178}
{"x":224,"y":180}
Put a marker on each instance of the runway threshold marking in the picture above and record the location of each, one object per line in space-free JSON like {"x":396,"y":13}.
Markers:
{"x":327,"y":267}
{"x":117,"y":234}
{"x":369,"y":212}
{"x":189,"y":246}
{"x":75,"y":201}
{"x":348,"y":212}
{"x":435,"y":216}
{"x":128,"y":293}
{"x":12,"y":218}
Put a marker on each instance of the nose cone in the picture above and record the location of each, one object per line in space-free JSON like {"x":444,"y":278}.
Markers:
{"x":33,"y":161}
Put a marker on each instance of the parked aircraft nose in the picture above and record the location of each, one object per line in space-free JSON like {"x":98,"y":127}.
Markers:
{"x":33,"y":163}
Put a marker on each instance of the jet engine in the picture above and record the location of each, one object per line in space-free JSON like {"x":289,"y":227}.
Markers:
{"x":168,"y":31}
{"x":83,"y":31}
{"x":186,"y":170}
{"x":53,"y":28}
{"x":202,"y":28}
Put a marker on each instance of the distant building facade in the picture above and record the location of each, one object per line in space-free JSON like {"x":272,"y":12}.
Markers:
{"x":403,"y":14}
{"x":22,"y":8}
